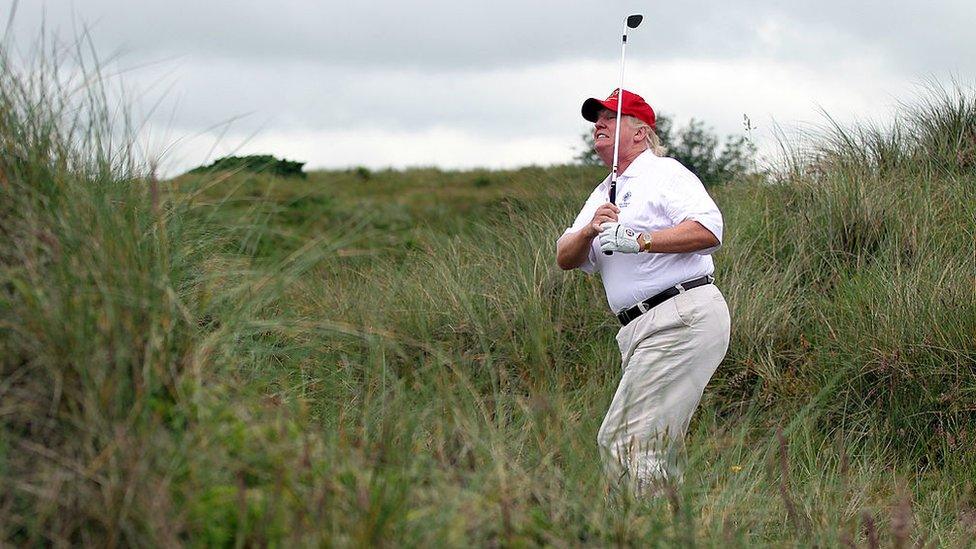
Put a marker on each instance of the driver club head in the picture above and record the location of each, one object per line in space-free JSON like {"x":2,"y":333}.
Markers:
{"x":633,"y":21}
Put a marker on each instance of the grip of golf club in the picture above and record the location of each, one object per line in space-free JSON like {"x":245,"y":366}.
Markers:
{"x":613,"y":200}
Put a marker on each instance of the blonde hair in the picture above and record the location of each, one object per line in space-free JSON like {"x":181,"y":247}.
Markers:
{"x":653,"y":141}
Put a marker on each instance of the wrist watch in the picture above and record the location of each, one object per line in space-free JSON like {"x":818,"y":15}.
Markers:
{"x":647,"y":242}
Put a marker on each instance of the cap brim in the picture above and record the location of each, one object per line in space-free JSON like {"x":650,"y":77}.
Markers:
{"x":591,"y":108}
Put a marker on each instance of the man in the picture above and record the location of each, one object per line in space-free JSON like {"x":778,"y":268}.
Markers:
{"x":675,"y":322}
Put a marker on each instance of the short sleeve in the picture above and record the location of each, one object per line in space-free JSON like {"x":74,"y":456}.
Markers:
{"x":688,"y":199}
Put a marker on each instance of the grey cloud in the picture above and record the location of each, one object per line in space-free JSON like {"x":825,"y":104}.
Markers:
{"x":481,"y":67}
{"x":300,"y":96}
{"x":484,"y":34}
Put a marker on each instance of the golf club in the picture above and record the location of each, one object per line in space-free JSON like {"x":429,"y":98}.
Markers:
{"x":632,"y":22}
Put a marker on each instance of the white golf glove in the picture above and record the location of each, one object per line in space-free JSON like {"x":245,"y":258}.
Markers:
{"x":615,"y":237}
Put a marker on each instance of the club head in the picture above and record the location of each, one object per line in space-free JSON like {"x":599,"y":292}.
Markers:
{"x":633,"y":21}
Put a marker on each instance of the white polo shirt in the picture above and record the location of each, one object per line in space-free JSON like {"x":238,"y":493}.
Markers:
{"x":654,"y":193}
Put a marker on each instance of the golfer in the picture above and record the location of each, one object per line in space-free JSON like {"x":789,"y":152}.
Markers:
{"x":674,"y":320}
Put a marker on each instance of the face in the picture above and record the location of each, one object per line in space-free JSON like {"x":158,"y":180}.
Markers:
{"x":631,"y":140}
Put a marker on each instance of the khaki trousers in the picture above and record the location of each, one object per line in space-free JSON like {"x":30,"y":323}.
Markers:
{"x":668,"y":355}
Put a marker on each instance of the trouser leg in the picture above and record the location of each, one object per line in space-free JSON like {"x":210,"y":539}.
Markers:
{"x":668,"y":358}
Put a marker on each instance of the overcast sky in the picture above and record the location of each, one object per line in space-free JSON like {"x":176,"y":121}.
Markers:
{"x":493,"y":84}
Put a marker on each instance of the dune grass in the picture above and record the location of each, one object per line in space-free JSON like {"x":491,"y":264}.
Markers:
{"x":392,"y":358}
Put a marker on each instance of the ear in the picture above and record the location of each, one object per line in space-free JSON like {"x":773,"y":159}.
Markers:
{"x":640,"y":135}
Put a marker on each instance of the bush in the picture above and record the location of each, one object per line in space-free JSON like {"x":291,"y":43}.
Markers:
{"x":363,"y":173}
{"x":262,"y":163}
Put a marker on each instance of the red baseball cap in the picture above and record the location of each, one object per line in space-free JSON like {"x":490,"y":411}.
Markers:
{"x":633,"y":104}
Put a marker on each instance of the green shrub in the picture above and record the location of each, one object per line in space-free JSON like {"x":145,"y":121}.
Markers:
{"x":363,"y":173}
{"x":255,"y":163}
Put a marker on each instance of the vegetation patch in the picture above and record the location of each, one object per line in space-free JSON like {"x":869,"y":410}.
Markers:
{"x":255,"y":163}
{"x":281,"y":362}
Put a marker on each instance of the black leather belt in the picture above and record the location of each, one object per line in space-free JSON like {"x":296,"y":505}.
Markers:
{"x":628,"y":315}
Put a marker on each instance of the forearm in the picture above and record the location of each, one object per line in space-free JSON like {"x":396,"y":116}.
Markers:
{"x":572,"y":249}
{"x":685,"y":237}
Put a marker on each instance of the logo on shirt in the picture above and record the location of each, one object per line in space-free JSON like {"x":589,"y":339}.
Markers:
{"x":624,"y":200}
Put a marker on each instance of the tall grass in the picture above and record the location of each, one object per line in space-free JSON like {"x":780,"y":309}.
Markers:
{"x":111,"y":286}
{"x":395,"y":359}
{"x":874,"y":246}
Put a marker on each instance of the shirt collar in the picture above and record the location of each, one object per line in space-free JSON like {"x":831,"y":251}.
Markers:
{"x":639,"y":166}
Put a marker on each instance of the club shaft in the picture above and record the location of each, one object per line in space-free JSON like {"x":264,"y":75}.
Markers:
{"x":620,"y":100}
{"x":616,"y":130}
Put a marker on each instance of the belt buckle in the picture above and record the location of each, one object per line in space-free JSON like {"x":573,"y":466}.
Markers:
{"x":642,"y":307}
